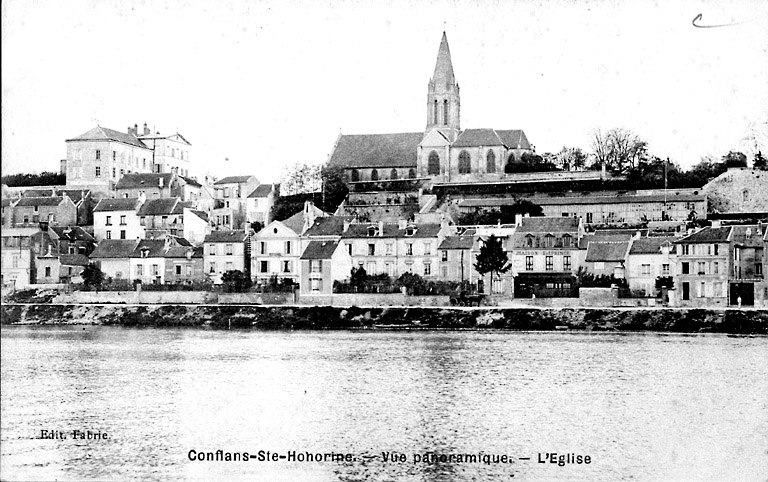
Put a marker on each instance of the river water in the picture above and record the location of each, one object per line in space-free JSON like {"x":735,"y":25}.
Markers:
{"x":641,"y":406}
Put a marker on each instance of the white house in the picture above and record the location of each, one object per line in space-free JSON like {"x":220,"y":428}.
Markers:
{"x":117,"y":219}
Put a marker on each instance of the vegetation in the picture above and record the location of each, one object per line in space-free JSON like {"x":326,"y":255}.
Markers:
{"x":361,"y":282}
{"x":585,"y":279}
{"x":46,"y":178}
{"x":505,"y":215}
{"x":235,"y":281}
{"x":92,"y":275}
{"x":306,"y":183}
{"x":492,"y":258}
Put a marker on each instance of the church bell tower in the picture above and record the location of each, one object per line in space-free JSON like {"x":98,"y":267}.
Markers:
{"x":443,"y":106}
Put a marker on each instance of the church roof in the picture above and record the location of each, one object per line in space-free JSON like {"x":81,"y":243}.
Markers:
{"x":491,"y":137}
{"x":444,"y":67}
{"x":513,"y":138}
{"x":376,"y":150}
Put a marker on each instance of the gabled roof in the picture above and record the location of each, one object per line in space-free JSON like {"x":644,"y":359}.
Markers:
{"x":707,"y":235}
{"x":144,"y":179}
{"x":234,"y":180}
{"x":650,"y":245}
{"x":200,"y":214}
{"x":74,"y":260}
{"x":181,"y":252}
{"x":457,"y":242}
{"x":39,"y":201}
{"x":607,"y":251}
{"x":548,"y":225}
{"x":160,"y":207}
{"x":7,"y":202}
{"x":320,"y":250}
{"x":376,"y":150}
{"x":74,"y":194}
{"x":477,"y":137}
{"x":99,"y":133}
{"x":157,"y":135}
{"x":603,"y":238}
{"x":328,"y":226}
{"x":155,"y":248}
{"x":514,"y":138}
{"x":117,"y":204}
{"x":295,"y":223}
{"x":224,"y":236}
{"x":391,"y":230}
{"x":115,"y":248}
{"x":72,"y":233}
{"x":191,"y":181}
{"x":262,"y":191}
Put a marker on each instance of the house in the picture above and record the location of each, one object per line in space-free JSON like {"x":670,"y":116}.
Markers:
{"x":17,"y":264}
{"x":259,"y":204}
{"x":61,"y":253}
{"x":456,"y":259}
{"x":114,"y":257}
{"x":649,"y":258}
{"x":117,"y":219}
{"x":168,"y":260}
{"x":322,"y":263}
{"x":171,"y":153}
{"x":498,"y":285}
{"x":152,"y":185}
{"x":277,"y":247}
{"x":607,"y":258}
{"x":81,"y":197}
{"x":184,"y":264}
{"x":747,"y":276}
{"x":162,"y":216}
{"x":703,"y":266}
{"x":54,"y":210}
{"x":196,"y":226}
{"x":231,"y":193}
{"x":72,"y":240}
{"x":226,"y":251}
{"x":545,"y":256}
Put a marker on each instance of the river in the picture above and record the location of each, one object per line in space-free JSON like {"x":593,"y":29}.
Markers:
{"x":641,"y":406}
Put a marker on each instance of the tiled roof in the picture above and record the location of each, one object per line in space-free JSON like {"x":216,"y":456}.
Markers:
{"x":330,"y":226}
{"x":7,"y":202}
{"x":117,"y":204}
{"x":548,"y":225}
{"x":143,"y":179}
{"x":457,"y":242}
{"x":200,"y":214}
{"x":73,"y":233}
{"x":295,"y":223}
{"x":376,"y":150}
{"x":161,"y":206}
{"x":262,"y":191}
{"x":181,"y":252}
{"x":155,"y":248}
{"x":74,"y":194}
{"x":603,"y":238}
{"x":320,"y":250}
{"x":607,"y":251}
{"x":74,"y":259}
{"x":649,"y":245}
{"x":115,"y":248}
{"x":707,"y":235}
{"x":39,"y":201}
{"x":477,"y":137}
{"x":234,"y":180}
{"x":391,"y":230}
{"x":236,"y":236}
{"x":514,"y":138}
{"x":191,"y":181}
{"x":567,"y":201}
{"x":99,"y":133}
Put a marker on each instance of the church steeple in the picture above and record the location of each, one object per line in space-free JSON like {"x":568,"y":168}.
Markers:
{"x":443,"y":106}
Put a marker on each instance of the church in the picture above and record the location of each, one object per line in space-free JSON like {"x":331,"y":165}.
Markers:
{"x":443,"y":153}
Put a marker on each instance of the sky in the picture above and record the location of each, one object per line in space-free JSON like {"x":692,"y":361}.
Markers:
{"x":257,"y":86}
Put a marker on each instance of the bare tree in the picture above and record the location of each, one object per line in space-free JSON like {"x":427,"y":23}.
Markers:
{"x":618,"y":148}
{"x":301,"y":178}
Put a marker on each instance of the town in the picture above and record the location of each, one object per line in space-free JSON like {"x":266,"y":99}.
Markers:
{"x":443,"y":216}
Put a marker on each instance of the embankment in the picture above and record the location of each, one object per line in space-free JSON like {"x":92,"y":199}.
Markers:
{"x":327,"y":317}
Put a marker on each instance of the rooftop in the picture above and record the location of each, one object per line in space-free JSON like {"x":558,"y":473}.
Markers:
{"x":548,"y":225}
{"x":161,"y":206}
{"x":607,"y":251}
{"x":262,"y":191}
{"x":117,"y":204}
{"x":650,"y":245}
{"x":376,"y":150}
{"x":391,"y":230}
{"x":144,"y":179}
{"x":99,"y":133}
{"x":320,"y":250}
{"x":224,"y":236}
{"x":234,"y":180}
{"x":115,"y":248}
{"x":708,"y":235}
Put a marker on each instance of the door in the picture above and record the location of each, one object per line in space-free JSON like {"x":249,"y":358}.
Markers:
{"x":745,"y":291}
{"x":686,"y":291}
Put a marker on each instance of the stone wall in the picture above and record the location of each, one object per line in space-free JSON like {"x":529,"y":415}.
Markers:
{"x":738,"y":190}
{"x":373,"y":299}
{"x":139,"y":297}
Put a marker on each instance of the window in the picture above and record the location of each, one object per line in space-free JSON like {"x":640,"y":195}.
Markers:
{"x":529,"y":263}
{"x":393,"y":174}
{"x":212,"y":268}
{"x":371,"y":249}
{"x":411,"y":173}
{"x":549,"y":241}
{"x":702,"y":267}
{"x":212,"y":250}
{"x":262,"y":247}
{"x":114,"y":155}
{"x":686,"y":249}
{"x":98,"y":171}
{"x":189,"y":270}
{"x":645,"y":269}
{"x":122,"y":234}
{"x":229,"y":266}
{"x":109,"y":221}
{"x":717,"y":289}
{"x":434,"y":113}
{"x":665,"y":269}
{"x":409,"y":267}
{"x":529,"y":241}
{"x":717,"y":250}
{"x":287,"y":247}
{"x":139,"y":270}
{"x":122,"y":171}
{"x":549,"y":263}
{"x":409,"y":249}
{"x":445,"y":112}
{"x":566,"y":263}
{"x":433,"y":164}
{"x":113,"y":173}
{"x":427,"y":249}
{"x":427,"y":269}
{"x":286,"y":266}
{"x":98,"y":155}
{"x":122,"y":220}
{"x":316,"y":284}
{"x":26,"y":218}
{"x":47,"y":271}
{"x":109,"y":234}
{"x":444,"y":255}
{"x":349,"y":248}
{"x":155,"y":270}
{"x":685,"y":268}
{"x":490,"y":162}
{"x":388,"y":248}
{"x":374,"y":175}
{"x":355,"y":175}
{"x":465,"y":165}
{"x":228,"y":249}
{"x":178,"y":269}
{"x":702,"y":288}
{"x":444,"y":271}
{"x":263,"y":266}
{"x":567,"y":240}
{"x":315,"y":265}
{"x":370,"y":267}
{"x":389,"y":268}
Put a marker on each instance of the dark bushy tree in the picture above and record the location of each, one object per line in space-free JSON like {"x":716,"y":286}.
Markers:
{"x":235,"y":281}
{"x":492,"y":258}
{"x":92,"y":275}
{"x":735,"y":159}
{"x":759,"y":161}
{"x":46,"y":178}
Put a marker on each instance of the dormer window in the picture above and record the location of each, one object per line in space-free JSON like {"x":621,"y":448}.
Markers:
{"x":529,"y":241}
{"x":410,"y":230}
{"x":371,"y":231}
{"x":144,"y":252}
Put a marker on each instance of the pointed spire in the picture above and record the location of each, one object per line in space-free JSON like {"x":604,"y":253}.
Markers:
{"x":443,"y":67}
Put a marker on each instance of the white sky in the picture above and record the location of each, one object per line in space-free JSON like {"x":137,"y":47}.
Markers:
{"x":267,"y":84}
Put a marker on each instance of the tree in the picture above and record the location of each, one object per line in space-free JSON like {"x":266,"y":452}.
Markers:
{"x":759,"y":161}
{"x":665,"y":282}
{"x":414,"y":283}
{"x":358,"y":276}
{"x":492,"y":258}
{"x":618,"y":148}
{"x":571,"y":159}
{"x":92,"y":275}
{"x":236,"y":281}
{"x":301,"y":178}
{"x":46,"y":178}
{"x":735,"y":159}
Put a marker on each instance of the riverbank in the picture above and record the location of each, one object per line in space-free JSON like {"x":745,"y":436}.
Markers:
{"x":302,"y":317}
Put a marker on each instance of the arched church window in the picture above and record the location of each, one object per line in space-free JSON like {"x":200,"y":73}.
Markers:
{"x":509,"y":168}
{"x":355,"y":176}
{"x":393,"y":174}
{"x":411,"y":173}
{"x":445,"y":112}
{"x":434,"y":113}
{"x":465,"y":166}
{"x":375,"y":175}
{"x":433,"y":164}
{"x":490,"y":162}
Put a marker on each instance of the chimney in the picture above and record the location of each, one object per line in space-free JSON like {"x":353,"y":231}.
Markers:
{"x":142,"y":197}
{"x":381,"y":228}
{"x":135,"y":129}
{"x":716,"y":223}
{"x":402,"y":224}
{"x":130,"y":130}
{"x":346,"y":225}
{"x":518,"y":219}
{"x":146,"y":129}
{"x":160,"y":182}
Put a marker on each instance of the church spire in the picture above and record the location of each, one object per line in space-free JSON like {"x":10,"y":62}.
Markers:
{"x":443,"y":104}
